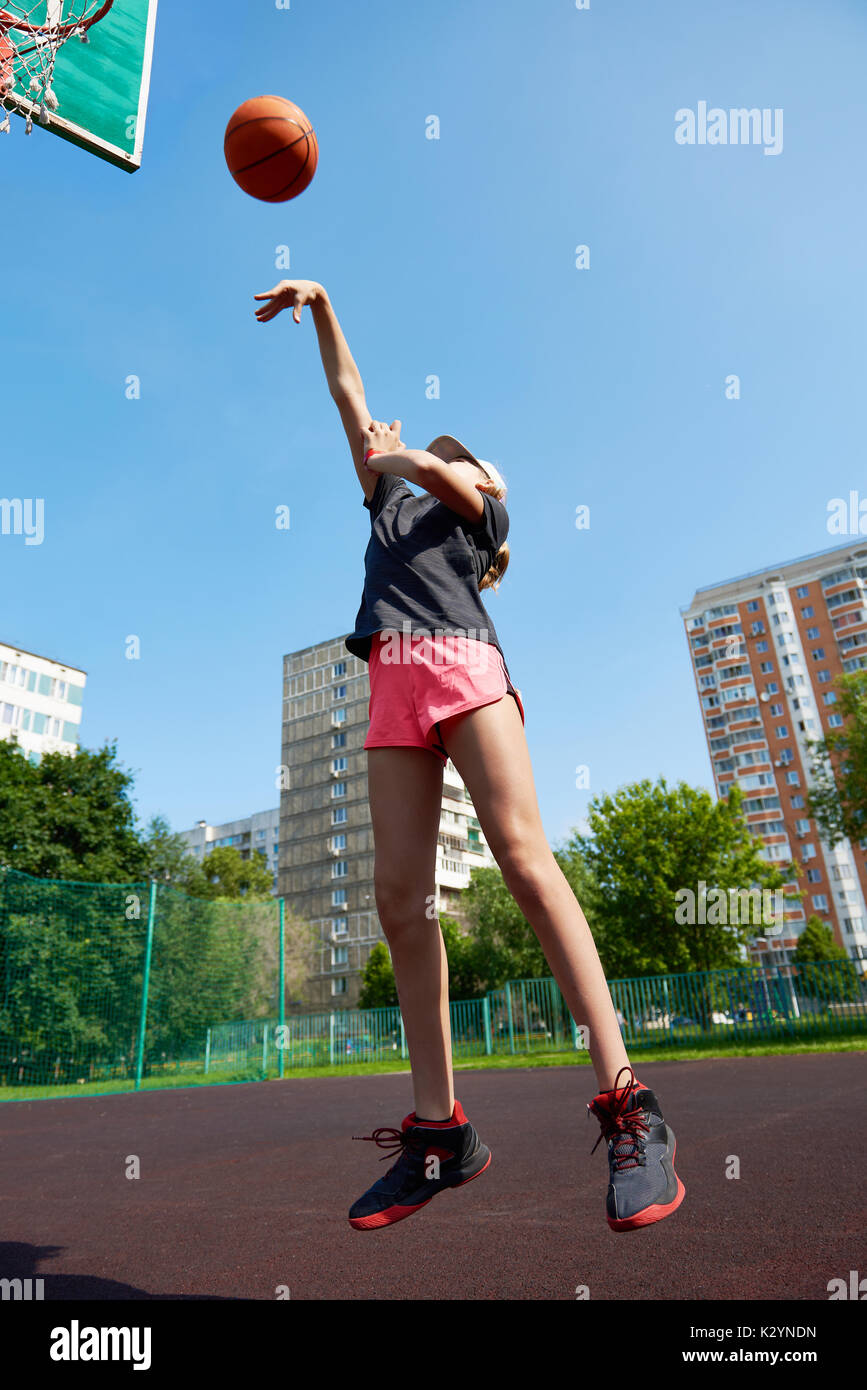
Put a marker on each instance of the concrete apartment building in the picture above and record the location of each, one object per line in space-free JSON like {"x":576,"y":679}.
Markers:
{"x":326,"y":838}
{"x":766,"y":648}
{"x":247,"y":835}
{"x":40,"y":702}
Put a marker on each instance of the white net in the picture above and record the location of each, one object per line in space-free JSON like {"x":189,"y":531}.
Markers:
{"x":31,"y":36}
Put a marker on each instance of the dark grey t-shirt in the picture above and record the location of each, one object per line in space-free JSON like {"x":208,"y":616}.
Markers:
{"x":423,"y":564}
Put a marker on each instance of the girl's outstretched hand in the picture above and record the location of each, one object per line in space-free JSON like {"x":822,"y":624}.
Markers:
{"x":289,"y":294}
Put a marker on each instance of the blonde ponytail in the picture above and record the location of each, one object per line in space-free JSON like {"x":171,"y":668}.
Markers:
{"x":491,"y":579}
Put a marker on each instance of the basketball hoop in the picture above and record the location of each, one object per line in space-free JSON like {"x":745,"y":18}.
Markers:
{"x":31,"y":36}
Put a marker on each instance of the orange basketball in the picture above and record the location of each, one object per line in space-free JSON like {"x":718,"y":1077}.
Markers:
{"x":271,"y":149}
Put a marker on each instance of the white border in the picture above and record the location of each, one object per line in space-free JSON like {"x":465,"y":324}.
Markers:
{"x":83,"y":138}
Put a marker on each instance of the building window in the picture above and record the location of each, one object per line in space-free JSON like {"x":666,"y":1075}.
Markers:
{"x":803,"y":592}
{"x":339,"y":692}
{"x":835,"y":721}
{"x":793,"y":779}
{"x":820,"y":902}
{"x":338,"y":897}
{"x":812,"y":634}
{"x":338,"y":789}
{"x":338,"y":986}
{"x":338,"y":815}
{"x":338,"y":740}
{"x":781,"y":731}
{"x":339,"y":716}
{"x":338,"y":669}
{"x":757,"y":628}
{"x":802,"y":827}
{"x":340,"y":869}
{"x":823,"y":677}
{"x":338,"y":764}
{"x":818,"y":654}
{"x":807,"y":612}
{"x":814,"y":875}
{"x":338,"y":842}
{"x":761,"y":646}
{"x":340,"y":926}
{"x":808,"y":852}
{"x":797,"y":803}
{"x":766,"y":668}
{"x":772,"y":688}
{"x":753,"y":606}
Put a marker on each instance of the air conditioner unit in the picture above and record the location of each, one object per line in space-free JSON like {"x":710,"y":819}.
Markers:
{"x":336,"y":852}
{"x":335,"y":773}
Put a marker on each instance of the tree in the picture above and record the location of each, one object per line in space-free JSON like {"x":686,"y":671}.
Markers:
{"x":228,"y":877}
{"x":817,"y":945}
{"x":69,"y":816}
{"x":652,"y":844}
{"x":168,"y":858}
{"x":817,"y":942}
{"x":378,"y":987}
{"x":838,"y":801}
{"x":502,"y":944}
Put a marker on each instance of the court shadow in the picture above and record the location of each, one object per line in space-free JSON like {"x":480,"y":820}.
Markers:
{"x":21,"y":1261}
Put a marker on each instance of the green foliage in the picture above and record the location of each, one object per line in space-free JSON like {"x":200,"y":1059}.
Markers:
{"x":825,"y":968}
{"x":817,"y":942}
{"x":71,"y":967}
{"x":229,"y":877}
{"x":468,"y":968}
{"x":838,"y":801}
{"x":649,"y":842}
{"x":502,"y":945}
{"x":378,"y":988}
{"x":69,"y":817}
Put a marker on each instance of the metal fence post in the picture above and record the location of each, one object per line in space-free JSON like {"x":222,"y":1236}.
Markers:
{"x":282,"y":988}
{"x":264,"y":1052}
{"x":509,"y":1009}
{"x":207,"y":1052}
{"x":143,"y":1017}
{"x":331,"y":1022}
{"x":402,"y":1039}
{"x":486,"y":1019}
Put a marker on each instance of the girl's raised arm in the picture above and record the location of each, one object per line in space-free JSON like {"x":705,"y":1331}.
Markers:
{"x":342,"y":375}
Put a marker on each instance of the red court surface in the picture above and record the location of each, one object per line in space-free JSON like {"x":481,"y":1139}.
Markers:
{"x":246,"y":1188}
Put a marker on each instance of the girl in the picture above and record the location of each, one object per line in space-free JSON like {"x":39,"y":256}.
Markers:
{"x":440,"y":689}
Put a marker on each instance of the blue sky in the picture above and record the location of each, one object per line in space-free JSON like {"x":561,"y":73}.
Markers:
{"x":452,"y":257}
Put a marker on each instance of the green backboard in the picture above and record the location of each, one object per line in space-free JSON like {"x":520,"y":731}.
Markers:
{"x":97,"y":90}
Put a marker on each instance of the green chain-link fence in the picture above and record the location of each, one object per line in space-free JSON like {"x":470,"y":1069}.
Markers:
{"x":119,"y":985}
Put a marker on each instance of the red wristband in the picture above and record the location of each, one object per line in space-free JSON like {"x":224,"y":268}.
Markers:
{"x":367,"y":456}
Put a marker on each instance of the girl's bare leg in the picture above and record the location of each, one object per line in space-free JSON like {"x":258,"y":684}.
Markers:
{"x":489,"y":749}
{"x":405,"y":788}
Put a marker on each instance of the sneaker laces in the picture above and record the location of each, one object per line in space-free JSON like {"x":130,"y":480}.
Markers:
{"x":396,"y":1141}
{"x":625,"y":1128}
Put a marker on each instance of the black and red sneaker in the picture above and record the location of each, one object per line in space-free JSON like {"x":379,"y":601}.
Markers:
{"x":433,"y":1155}
{"x":643,"y":1186}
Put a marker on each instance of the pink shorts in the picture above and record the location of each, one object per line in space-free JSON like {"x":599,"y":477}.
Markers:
{"x":418,"y":679}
